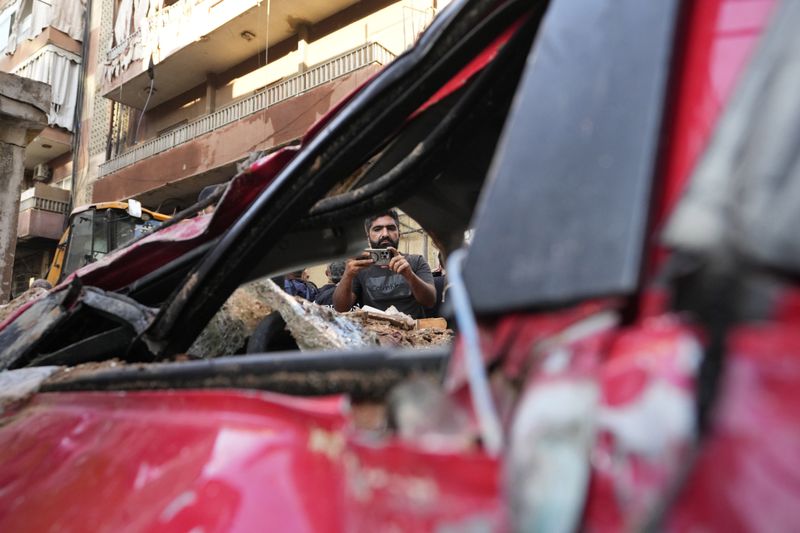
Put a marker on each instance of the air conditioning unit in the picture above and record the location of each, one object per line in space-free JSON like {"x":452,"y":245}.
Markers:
{"x":41,"y":172}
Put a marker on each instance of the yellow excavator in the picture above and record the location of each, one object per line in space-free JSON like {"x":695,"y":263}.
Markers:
{"x":98,"y":229}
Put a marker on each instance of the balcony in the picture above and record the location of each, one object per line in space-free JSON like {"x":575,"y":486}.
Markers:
{"x":349,"y":62}
{"x":192,"y":38}
{"x":49,"y":144}
{"x":42,"y":212}
{"x":59,"y":68}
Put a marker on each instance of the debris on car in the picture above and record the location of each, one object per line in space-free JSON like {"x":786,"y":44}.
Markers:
{"x":315,"y":327}
{"x":35,"y":292}
{"x":405,"y":332}
{"x":593,"y":385}
{"x":235,"y":322}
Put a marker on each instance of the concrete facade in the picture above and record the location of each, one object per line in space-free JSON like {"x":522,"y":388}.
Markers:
{"x":208,"y":56}
{"x":45,"y":44}
{"x":222,"y":148}
{"x":198,"y":73}
{"x":23,"y":114}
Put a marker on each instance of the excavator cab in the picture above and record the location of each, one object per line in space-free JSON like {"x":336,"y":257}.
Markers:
{"x":96,"y":230}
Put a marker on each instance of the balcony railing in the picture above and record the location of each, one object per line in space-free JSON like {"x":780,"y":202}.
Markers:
{"x":37,"y":198}
{"x":42,"y":211}
{"x":341,"y":65}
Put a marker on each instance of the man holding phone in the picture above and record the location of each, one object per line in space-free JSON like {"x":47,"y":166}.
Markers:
{"x":405,"y":281}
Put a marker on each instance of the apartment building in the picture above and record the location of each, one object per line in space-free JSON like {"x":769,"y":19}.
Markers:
{"x":196,"y":86}
{"x":42,"y":40}
{"x":176,"y":93}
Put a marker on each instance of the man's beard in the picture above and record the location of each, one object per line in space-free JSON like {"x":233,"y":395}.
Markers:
{"x":385,"y":242}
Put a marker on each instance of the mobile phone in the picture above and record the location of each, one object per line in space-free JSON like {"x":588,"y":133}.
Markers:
{"x":381,"y":256}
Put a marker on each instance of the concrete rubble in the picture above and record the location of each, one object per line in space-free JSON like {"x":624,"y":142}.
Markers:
{"x":236,"y":320}
{"x":32,"y":294}
{"x":312,"y":326}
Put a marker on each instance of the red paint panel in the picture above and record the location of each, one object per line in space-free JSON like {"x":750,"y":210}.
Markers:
{"x":395,"y":487}
{"x":170,"y":462}
{"x":225,"y":461}
{"x":747,"y":475}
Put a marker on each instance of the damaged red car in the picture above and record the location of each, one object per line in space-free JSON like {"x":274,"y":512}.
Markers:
{"x":627,"y":350}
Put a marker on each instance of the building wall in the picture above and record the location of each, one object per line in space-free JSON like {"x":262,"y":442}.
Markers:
{"x":275,"y":125}
{"x":179,"y":110}
{"x":95,"y":117}
{"x":50,"y":54}
{"x":414,"y":240}
{"x":62,"y":171}
{"x":250,"y":81}
{"x":395,"y":26}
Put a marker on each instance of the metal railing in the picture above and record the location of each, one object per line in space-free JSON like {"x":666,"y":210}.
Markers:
{"x":44,"y":204}
{"x":320,"y":74}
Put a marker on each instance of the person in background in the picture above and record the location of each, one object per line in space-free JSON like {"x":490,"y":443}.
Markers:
{"x":297,"y":284}
{"x":405,"y":283}
{"x":440,"y":283}
{"x":334,"y":271}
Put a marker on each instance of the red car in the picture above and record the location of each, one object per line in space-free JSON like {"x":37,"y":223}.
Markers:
{"x":621,"y":363}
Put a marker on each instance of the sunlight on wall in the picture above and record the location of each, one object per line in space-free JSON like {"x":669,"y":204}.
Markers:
{"x":259,"y":78}
{"x":395,"y":27}
{"x":191,"y":103}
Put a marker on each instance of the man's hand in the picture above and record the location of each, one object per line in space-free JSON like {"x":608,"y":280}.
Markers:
{"x":343,"y":297}
{"x":399,"y":263}
{"x":356,"y":264}
{"x":423,"y":292}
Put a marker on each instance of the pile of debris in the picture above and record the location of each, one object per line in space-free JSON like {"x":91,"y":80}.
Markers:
{"x":313,"y":327}
{"x":228,"y":330}
{"x":393,"y":328}
{"x":35,"y":292}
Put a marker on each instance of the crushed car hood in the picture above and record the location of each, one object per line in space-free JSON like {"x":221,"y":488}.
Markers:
{"x":226,"y":461}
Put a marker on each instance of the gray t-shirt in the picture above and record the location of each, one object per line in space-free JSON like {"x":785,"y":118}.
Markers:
{"x":381,"y":288}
